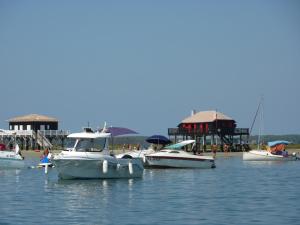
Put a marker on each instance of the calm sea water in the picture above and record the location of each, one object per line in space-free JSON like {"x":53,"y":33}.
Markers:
{"x":235,"y":192}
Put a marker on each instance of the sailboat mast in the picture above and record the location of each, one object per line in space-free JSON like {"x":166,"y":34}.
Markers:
{"x":259,"y":109}
{"x":256,"y":113}
{"x":261,"y":123}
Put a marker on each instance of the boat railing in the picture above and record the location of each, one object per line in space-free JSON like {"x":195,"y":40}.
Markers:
{"x":51,"y":133}
{"x":241,"y":131}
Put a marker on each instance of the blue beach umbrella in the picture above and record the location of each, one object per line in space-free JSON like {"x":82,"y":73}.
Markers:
{"x":273,"y":143}
{"x":158,"y":139}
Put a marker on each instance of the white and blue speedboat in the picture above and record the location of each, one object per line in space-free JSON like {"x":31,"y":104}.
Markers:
{"x":11,"y":158}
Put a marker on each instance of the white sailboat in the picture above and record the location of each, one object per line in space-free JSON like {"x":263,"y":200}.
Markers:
{"x":88,"y":157}
{"x":271,"y":154}
{"x":275,"y":150}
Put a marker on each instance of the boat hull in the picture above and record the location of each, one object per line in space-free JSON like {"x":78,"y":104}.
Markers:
{"x":261,"y":155}
{"x":9,"y":159}
{"x":94,"y":168}
{"x":176,"y":162}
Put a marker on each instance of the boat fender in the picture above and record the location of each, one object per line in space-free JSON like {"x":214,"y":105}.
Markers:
{"x":105,"y":166}
{"x":46,"y":168}
{"x":118,"y":166}
{"x":130,"y":167}
{"x":144,"y":159}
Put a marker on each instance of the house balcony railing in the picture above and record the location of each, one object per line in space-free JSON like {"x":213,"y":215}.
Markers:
{"x":211,"y":131}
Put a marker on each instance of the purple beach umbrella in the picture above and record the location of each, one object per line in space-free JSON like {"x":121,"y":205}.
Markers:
{"x":117,"y":131}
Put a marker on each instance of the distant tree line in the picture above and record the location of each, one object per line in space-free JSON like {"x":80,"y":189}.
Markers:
{"x":133,"y":140}
{"x":294,"y":138}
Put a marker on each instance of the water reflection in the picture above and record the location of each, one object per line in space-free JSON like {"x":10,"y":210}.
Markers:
{"x":88,"y":188}
{"x":11,"y":172}
{"x":263,"y":163}
{"x":160,"y":197}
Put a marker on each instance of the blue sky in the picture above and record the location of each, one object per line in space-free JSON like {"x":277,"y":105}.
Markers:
{"x":146,"y":64}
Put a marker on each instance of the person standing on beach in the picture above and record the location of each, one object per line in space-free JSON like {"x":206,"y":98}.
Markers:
{"x":226,"y":148}
{"x":214,"y":149}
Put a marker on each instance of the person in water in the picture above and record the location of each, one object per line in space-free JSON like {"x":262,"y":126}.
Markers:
{"x":214,"y":149}
{"x":285,"y":153}
{"x":45,"y":156}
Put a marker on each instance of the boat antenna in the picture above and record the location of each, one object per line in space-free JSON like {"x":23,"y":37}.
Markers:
{"x":217,"y":123}
{"x":104,"y":128}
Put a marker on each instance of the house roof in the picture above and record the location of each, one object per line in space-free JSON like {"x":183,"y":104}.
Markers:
{"x":206,"y":116}
{"x":33,"y":118}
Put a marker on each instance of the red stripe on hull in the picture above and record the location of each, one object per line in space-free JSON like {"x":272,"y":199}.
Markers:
{"x":177,"y":158}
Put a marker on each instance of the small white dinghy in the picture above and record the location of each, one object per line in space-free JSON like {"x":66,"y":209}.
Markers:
{"x":275,"y":152}
{"x":88,"y":157}
{"x":137,"y":154}
{"x":11,"y":158}
{"x":157,"y":142}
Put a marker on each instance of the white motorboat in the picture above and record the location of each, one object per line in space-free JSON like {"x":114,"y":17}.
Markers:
{"x":11,"y":158}
{"x":88,"y":157}
{"x":174,"y":157}
{"x":275,"y":152}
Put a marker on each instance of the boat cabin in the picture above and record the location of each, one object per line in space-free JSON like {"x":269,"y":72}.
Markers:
{"x":88,"y":142}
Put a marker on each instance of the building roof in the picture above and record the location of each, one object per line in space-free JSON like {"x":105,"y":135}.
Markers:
{"x":206,"y":116}
{"x":33,"y":118}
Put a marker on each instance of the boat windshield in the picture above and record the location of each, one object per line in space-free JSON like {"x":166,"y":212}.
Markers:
{"x":70,"y":143}
{"x":90,"y":145}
